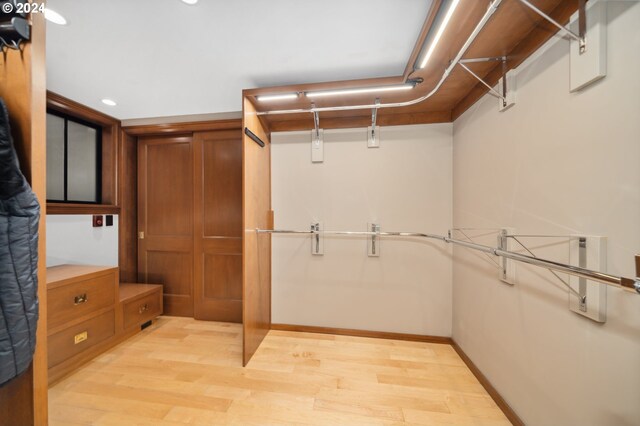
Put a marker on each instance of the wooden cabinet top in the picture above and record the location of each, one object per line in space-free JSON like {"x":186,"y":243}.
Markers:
{"x":56,"y":274}
{"x":130,"y":291}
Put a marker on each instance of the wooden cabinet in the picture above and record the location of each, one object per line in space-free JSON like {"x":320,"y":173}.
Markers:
{"x":81,"y":315}
{"x":140,"y":303}
{"x":90,"y":312}
{"x":81,"y":337}
{"x":74,"y":298}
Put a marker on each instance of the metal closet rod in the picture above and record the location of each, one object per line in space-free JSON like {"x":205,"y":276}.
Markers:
{"x":612,"y":280}
{"x":485,"y":18}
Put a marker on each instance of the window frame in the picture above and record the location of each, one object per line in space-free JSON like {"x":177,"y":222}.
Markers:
{"x":98,"y":165}
{"x":109,"y":156}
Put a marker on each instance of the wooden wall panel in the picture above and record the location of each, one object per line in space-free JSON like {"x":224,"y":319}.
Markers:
{"x":23,"y":88}
{"x":222,"y":270}
{"x":256,"y":249}
{"x":218,"y":225}
{"x":222,"y":189}
{"x":165,"y":207}
{"x":128,"y":203}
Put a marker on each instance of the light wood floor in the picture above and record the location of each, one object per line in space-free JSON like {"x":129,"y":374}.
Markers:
{"x":182,"y":371}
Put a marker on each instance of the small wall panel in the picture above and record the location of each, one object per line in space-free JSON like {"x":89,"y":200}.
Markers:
{"x":168,"y":197}
{"x":225,"y":272}
{"x":174,"y":271}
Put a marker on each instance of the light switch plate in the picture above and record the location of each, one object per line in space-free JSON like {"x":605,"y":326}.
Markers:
{"x":590,"y":253}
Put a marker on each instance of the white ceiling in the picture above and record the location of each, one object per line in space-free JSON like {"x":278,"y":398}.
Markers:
{"x":159,"y":58}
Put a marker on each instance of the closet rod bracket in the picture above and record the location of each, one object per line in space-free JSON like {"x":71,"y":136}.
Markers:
{"x":373,"y":137}
{"x":582,"y":23}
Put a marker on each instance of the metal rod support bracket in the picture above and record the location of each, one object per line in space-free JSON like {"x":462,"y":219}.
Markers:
{"x":373,"y":242}
{"x":582,"y":23}
{"x":373,"y":138}
{"x":317,"y":242}
{"x":492,"y":91}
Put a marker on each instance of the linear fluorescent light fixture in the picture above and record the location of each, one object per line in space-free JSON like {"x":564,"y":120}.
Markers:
{"x":358,"y":91}
{"x":281,"y":97}
{"x":436,"y":38}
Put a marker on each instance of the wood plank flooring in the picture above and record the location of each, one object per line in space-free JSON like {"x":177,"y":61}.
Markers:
{"x":182,"y":371}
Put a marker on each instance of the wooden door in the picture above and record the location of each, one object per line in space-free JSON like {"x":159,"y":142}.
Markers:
{"x":256,"y":248}
{"x":165,"y":219}
{"x":218,"y":226}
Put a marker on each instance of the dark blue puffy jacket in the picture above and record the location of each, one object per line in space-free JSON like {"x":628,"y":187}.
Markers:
{"x":19,"y":217}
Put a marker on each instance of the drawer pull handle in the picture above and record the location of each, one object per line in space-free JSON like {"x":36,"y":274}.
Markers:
{"x":143,"y":308}
{"x":80,"y":299}
{"x":79,"y":338}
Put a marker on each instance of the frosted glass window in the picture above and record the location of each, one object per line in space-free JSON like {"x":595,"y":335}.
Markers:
{"x":73,"y":161}
{"x":82,"y":162}
{"x":55,"y":157}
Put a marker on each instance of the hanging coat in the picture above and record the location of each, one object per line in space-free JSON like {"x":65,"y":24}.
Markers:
{"x":19,"y":217}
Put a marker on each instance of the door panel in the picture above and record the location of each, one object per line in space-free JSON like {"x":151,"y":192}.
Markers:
{"x":218,"y":226}
{"x":256,"y":248}
{"x":165,"y":219}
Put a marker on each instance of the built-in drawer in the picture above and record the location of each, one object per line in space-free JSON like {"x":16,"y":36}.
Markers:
{"x":80,"y":337}
{"x":76,"y":299}
{"x":142,"y":309}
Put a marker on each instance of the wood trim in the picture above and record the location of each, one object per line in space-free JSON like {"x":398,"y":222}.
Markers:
{"x":24,"y":400}
{"x":128,"y":201}
{"x":363,"y":333}
{"x":493,"y":392}
{"x":69,"y":208}
{"x":417,"y":49}
{"x":384,"y":119}
{"x":188,"y":127}
{"x":110,"y":149}
{"x":70,"y":107}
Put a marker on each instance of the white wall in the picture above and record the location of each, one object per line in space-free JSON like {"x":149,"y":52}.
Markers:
{"x":72,"y":239}
{"x":405,"y":185}
{"x":556,"y":163}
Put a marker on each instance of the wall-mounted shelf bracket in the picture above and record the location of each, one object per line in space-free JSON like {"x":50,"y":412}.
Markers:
{"x":507,"y":272}
{"x":507,"y":95}
{"x":317,"y":139}
{"x":591,"y":298}
{"x":373,"y":242}
{"x":373,"y":139}
{"x":317,"y":240}
{"x":581,"y":36}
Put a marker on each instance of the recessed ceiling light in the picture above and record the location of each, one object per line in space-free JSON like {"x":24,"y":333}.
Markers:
{"x":55,"y":17}
{"x":190,"y":2}
{"x":109,"y":102}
